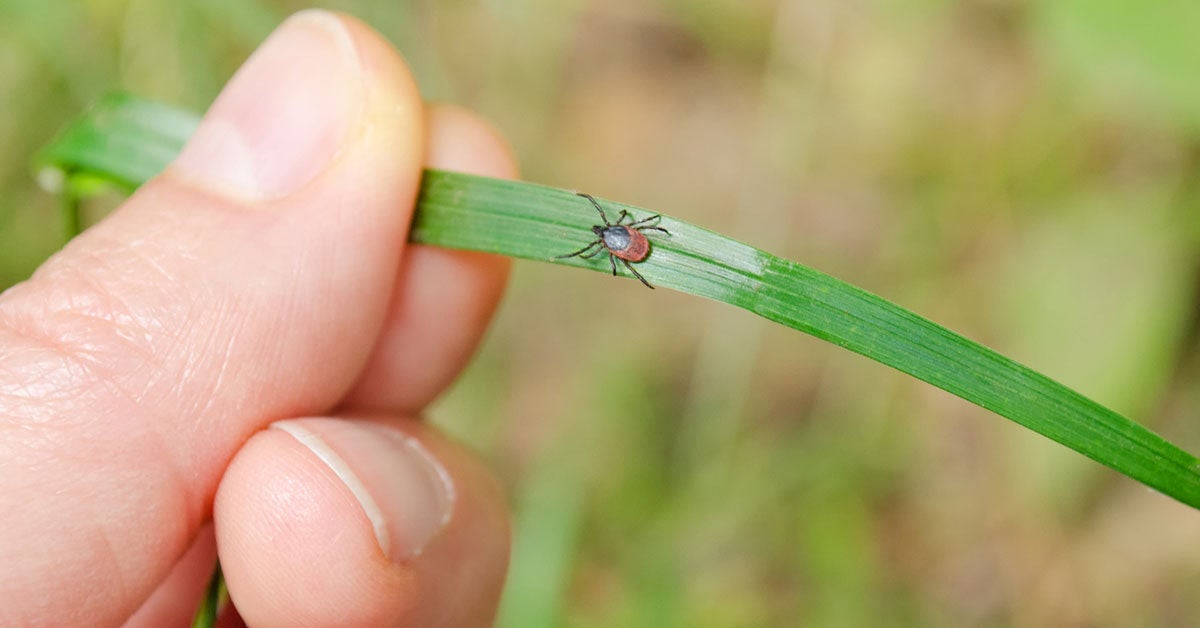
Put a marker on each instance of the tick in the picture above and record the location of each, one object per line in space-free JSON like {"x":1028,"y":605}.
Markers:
{"x":625,"y":242}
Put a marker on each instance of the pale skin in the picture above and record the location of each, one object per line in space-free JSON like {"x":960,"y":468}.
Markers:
{"x":263,"y":280}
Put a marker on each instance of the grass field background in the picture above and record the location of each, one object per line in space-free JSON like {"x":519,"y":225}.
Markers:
{"x":1024,"y":172}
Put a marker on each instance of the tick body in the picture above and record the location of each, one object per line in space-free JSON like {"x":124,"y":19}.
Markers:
{"x":625,"y":242}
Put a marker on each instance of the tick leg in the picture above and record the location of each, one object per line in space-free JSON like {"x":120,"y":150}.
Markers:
{"x":612,"y":259}
{"x":636,"y":274}
{"x":623,"y":216}
{"x":647,"y":221}
{"x":598,"y":208}
{"x":653,"y":229}
{"x":580,"y":251}
{"x":598,"y":251}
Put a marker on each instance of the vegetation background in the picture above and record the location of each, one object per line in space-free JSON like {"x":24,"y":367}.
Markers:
{"x":1026,"y":172}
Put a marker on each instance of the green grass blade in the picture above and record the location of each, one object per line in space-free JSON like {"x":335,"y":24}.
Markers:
{"x":123,"y":139}
{"x":128,"y":140}
{"x":209,"y":610}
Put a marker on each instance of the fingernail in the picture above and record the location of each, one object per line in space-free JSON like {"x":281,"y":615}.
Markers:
{"x":405,"y":492}
{"x":282,"y":118}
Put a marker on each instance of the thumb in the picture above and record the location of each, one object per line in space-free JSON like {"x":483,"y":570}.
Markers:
{"x":246,"y":284}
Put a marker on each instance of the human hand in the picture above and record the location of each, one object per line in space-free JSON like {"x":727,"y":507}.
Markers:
{"x":153,"y":374}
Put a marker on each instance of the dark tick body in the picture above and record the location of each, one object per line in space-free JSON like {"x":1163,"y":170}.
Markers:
{"x":625,"y":242}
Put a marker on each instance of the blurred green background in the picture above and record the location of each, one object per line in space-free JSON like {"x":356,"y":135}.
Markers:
{"x":1022,"y":171}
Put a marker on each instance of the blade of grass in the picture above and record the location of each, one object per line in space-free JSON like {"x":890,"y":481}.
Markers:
{"x":123,"y":139}
{"x":128,"y":140}
{"x":549,"y":522}
{"x":210,"y":606}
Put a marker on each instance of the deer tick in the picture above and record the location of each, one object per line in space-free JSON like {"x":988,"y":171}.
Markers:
{"x":622,"y":241}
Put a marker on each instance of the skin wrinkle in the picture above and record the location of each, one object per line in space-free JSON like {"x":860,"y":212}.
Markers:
{"x":135,"y":258}
{"x":152,"y":382}
{"x":159,"y":295}
{"x":27,"y":432}
{"x":209,"y":359}
{"x":134,"y":332}
{"x":223,"y":346}
{"x":87,"y":299}
{"x":220,"y":340}
{"x":109,"y":317}
{"x":73,"y":342}
{"x":165,"y":277}
{"x":81,"y":336}
{"x":222,"y":321}
{"x":65,"y":377}
{"x":78,"y":388}
{"x":157,"y":227}
{"x":45,"y":383}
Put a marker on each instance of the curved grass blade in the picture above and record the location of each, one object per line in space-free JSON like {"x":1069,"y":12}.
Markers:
{"x":540,"y":223}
